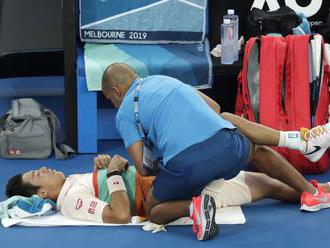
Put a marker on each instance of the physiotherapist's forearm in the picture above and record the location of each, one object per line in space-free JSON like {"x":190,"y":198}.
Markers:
{"x":141,"y":170}
{"x":213,"y":105}
{"x":136,"y":153}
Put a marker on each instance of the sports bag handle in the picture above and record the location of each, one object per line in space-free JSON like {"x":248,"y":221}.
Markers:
{"x":25,"y":107}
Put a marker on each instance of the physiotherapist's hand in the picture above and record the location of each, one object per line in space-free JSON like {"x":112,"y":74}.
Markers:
{"x":102,"y":161}
{"x":118,"y":163}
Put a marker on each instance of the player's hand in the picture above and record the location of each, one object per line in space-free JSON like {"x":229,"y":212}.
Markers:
{"x":118,"y":163}
{"x":102,"y":161}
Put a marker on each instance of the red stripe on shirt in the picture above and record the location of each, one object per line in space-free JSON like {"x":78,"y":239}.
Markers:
{"x":95,"y":185}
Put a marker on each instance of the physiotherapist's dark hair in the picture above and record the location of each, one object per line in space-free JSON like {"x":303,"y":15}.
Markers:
{"x":15,"y":186}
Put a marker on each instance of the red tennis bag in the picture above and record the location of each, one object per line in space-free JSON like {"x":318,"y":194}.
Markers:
{"x":274,"y":90}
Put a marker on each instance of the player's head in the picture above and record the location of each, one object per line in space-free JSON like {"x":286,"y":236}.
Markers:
{"x":45,"y":182}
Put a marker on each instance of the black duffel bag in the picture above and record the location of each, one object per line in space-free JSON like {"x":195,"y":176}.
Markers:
{"x":281,"y":21}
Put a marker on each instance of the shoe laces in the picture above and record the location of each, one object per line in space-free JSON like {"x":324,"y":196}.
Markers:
{"x":305,"y":134}
{"x":316,"y":185}
{"x":318,"y":131}
{"x":308,"y":134}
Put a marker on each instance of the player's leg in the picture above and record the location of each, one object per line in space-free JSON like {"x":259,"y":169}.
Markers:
{"x":257,"y":133}
{"x":262,"y":186}
{"x":274,"y":165}
{"x":249,"y":187}
{"x":163,"y":213}
{"x":313,"y":196}
{"x":311,"y":143}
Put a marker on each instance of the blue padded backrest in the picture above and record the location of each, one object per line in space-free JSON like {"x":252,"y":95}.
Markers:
{"x":32,"y":86}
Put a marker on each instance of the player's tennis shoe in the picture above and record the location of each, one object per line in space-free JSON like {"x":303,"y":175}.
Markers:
{"x":203,"y":215}
{"x":317,"y":142}
{"x":312,"y":203}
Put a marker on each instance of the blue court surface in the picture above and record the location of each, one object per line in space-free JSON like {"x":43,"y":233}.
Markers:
{"x":269,"y":223}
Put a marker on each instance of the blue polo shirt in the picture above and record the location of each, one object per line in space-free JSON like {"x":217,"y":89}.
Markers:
{"x":173,"y":115}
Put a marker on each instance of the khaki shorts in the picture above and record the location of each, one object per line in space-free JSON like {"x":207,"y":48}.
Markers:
{"x":233,"y":192}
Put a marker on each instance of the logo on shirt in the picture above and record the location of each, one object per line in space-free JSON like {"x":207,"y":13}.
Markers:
{"x":92,"y":206}
{"x":79,"y":204}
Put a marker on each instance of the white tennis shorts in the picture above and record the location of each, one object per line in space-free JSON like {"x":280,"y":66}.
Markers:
{"x":233,"y":192}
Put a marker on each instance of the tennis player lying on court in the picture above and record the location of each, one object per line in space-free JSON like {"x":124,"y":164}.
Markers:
{"x":78,"y":196}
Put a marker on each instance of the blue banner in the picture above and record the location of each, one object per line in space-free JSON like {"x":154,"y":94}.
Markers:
{"x":143,"y":21}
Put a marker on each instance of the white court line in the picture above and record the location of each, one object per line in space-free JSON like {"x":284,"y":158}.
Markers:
{"x":124,"y":14}
{"x":192,"y":4}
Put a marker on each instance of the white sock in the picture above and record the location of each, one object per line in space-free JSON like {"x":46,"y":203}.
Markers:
{"x":191,"y":209}
{"x":290,"y":139}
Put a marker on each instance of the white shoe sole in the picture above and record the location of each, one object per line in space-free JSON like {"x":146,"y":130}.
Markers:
{"x":210,"y":228}
{"x":314,"y":208}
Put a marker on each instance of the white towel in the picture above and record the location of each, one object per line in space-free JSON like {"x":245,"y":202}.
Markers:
{"x":228,"y":215}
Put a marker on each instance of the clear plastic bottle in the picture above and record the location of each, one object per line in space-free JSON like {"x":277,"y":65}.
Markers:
{"x":234,"y":19}
{"x":227,"y":42}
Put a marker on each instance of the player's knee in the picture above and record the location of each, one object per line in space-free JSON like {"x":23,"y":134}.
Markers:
{"x":154,"y":216}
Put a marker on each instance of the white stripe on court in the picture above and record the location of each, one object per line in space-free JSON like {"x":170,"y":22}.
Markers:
{"x":192,"y":4}
{"x":125,"y":14}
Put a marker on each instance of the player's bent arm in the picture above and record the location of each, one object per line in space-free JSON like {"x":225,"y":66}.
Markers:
{"x":213,"y":104}
{"x":84,"y":206}
{"x":118,"y":211}
{"x":136,"y":153}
